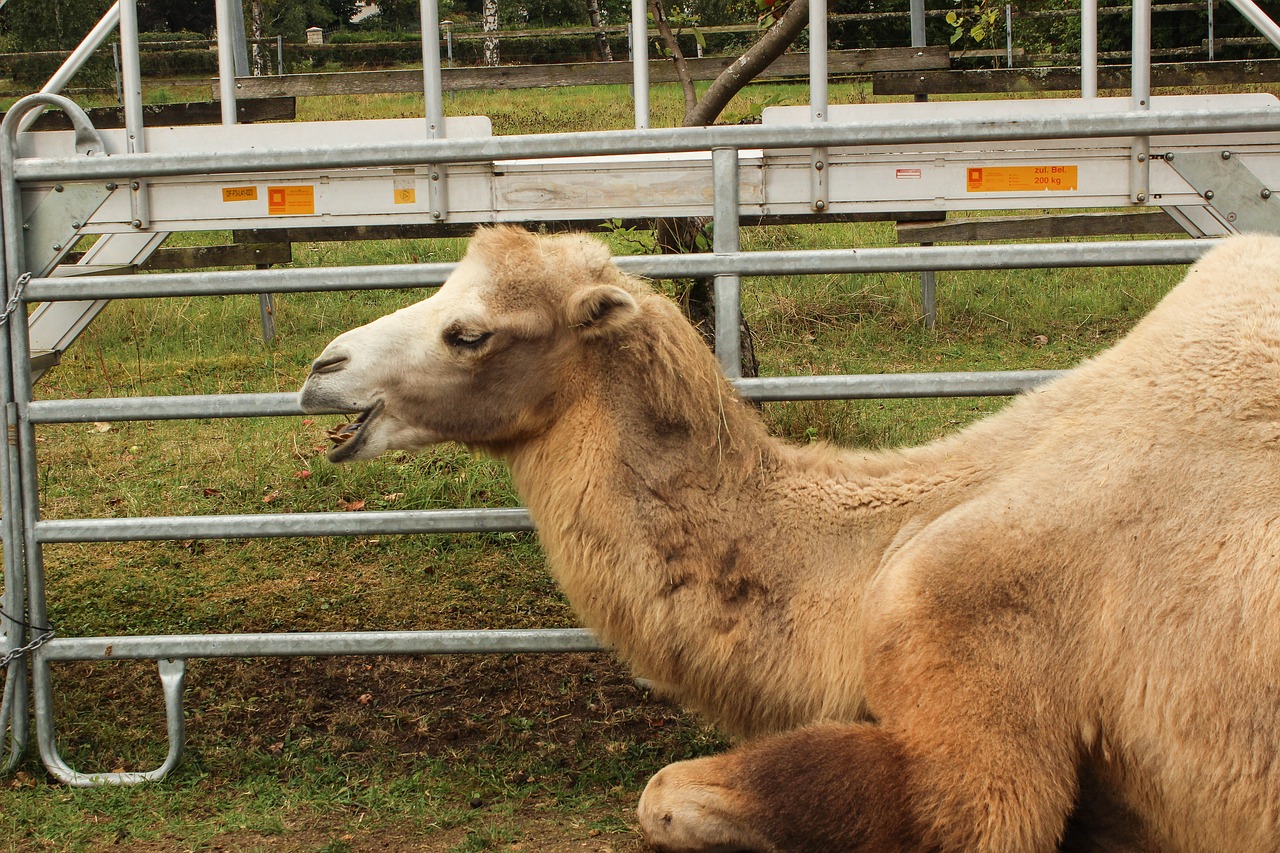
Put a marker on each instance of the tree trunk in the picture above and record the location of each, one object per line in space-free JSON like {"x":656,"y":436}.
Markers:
{"x":680,"y":235}
{"x":257,"y":56}
{"x":673,"y":47}
{"x":602,"y":40}
{"x":745,"y":69}
{"x":489,"y":18}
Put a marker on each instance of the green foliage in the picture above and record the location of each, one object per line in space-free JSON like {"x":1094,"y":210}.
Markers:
{"x":48,"y":24}
{"x":372,"y":36}
{"x":174,"y":16}
{"x":402,"y":15}
{"x":626,"y":239}
{"x":977,"y":24}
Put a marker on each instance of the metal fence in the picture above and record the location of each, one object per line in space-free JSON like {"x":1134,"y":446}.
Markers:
{"x":29,"y":649}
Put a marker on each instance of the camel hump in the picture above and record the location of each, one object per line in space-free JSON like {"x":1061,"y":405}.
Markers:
{"x":513,"y":254}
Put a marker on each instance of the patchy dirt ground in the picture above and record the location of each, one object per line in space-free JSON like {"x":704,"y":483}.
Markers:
{"x":509,"y":753}
{"x":535,"y":836}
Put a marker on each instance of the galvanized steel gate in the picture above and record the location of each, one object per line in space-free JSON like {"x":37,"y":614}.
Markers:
{"x":46,"y":199}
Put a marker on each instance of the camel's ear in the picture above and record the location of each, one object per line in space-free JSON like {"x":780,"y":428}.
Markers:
{"x":599,"y":310}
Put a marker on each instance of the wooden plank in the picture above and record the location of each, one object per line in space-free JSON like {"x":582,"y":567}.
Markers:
{"x":277,"y":108}
{"x":238,"y":254}
{"x":1050,"y":79}
{"x":232,"y":255}
{"x":840,"y":62}
{"x":345,"y":233}
{"x":1037,"y":227}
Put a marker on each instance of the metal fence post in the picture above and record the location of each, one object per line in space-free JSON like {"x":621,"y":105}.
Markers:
{"x":725,"y":240}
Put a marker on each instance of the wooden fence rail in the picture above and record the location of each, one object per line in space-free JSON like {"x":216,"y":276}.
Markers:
{"x":787,"y":66}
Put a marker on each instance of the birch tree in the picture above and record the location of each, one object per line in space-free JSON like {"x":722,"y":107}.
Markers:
{"x":489,"y":23}
{"x":597,"y":24}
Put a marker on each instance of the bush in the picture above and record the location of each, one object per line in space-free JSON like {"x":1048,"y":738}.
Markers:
{"x":33,"y":70}
{"x":352,"y":36}
{"x":153,"y":41}
{"x":179,"y":62}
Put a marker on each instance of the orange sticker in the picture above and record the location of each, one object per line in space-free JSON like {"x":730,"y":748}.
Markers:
{"x":1006,"y":179}
{"x":291,"y":201}
{"x":405,"y":196}
{"x":239,"y":193}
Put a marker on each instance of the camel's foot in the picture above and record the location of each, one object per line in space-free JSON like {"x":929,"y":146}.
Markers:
{"x":823,"y":789}
{"x":685,"y":808}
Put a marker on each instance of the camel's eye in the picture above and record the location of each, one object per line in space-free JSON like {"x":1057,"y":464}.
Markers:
{"x":466,"y":338}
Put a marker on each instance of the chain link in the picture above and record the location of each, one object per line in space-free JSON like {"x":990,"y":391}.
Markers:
{"x":39,"y":641}
{"x":14,"y":301}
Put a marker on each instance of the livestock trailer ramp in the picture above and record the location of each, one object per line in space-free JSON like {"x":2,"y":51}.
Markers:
{"x":1209,"y":161}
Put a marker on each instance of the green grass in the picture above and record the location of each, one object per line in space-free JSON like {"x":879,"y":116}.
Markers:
{"x":456,"y":753}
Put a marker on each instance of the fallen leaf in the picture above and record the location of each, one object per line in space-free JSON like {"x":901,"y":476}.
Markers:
{"x":350,"y":506}
{"x":393,"y":497}
{"x":100,"y":426}
{"x":307,"y":422}
{"x":271,"y":496}
{"x":365,"y":698}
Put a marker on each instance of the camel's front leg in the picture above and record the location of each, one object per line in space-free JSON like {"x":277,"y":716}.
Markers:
{"x":822,"y":789}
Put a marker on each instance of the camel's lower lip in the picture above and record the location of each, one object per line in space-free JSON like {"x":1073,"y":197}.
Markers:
{"x":347,"y":438}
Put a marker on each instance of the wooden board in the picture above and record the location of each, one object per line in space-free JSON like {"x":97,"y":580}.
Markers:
{"x":1062,"y":79}
{"x":1037,"y":227}
{"x":579,"y":74}
{"x":238,"y":254}
{"x":346,"y":233}
{"x":232,"y":255}
{"x":249,"y":110}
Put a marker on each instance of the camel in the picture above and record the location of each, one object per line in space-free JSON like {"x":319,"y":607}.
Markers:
{"x":1058,"y":628}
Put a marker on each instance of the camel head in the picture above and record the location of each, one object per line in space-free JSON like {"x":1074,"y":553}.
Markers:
{"x":483,"y":360}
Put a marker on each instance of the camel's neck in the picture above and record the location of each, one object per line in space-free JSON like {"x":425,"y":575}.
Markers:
{"x":723,"y":565}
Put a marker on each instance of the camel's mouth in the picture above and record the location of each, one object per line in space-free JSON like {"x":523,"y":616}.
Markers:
{"x":347,"y":438}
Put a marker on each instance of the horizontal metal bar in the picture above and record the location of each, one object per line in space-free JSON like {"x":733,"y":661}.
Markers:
{"x":1012,"y":127}
{"x":283,"y":524}
{"x":226,"y":282}
{"x":848,"y":387}
{"x":795,"y":262}
{"x":321,"y":644}
{"x":894,"y":385}
{"x":913,"y":259}
{"x":162,"y":408}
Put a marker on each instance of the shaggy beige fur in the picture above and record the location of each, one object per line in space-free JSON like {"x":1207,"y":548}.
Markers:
{"x":1057,"y":628}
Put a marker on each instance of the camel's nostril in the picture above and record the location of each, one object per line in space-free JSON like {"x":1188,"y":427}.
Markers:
{"x":328,"y":365}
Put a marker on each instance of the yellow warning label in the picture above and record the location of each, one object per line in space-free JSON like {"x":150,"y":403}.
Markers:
{"x":405,"y":195}
{"x":1005,"y":179}
{"x":291,"y":201}
{"x":239,"y":193}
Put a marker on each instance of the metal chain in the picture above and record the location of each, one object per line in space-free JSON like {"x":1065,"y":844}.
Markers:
{"x":39,"y":641}
{"x":14,"y":301}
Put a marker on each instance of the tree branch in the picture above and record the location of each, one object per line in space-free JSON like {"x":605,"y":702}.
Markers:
{"x":673,"y":47}
{"x":746,"y":67}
